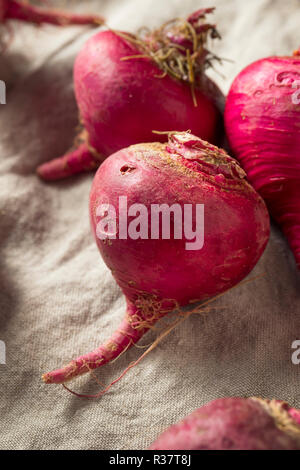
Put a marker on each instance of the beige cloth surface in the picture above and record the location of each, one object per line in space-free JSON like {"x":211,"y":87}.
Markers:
{"x":58,"y":299}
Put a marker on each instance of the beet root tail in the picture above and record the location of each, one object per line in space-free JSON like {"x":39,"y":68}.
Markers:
{"x":17,"y":10}
{"x":124,"y":337}
{"x":79,"y":160}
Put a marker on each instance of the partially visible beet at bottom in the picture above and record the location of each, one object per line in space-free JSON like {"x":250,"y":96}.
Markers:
{"x":235,"y":424}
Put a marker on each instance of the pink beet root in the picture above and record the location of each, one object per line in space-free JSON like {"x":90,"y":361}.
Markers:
{"x":126,"y":87}
{"x":262,"y":119}
{"x":235,"y":424}
{"x":159,"y":274}
{"x":23,"y":11}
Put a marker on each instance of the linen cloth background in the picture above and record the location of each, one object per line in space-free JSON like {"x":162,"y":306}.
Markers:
{"x":58,"y":299}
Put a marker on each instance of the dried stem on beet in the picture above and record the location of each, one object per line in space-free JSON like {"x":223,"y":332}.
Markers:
{"x":178,"y":47}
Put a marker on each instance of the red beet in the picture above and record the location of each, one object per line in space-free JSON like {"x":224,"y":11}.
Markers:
{"x":127,"y":86}
{"x":262,"y":119}
{"x":235,"y":424}
{"x":158,"y":274}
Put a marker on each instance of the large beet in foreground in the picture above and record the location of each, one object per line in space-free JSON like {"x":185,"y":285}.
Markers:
{"x":158,"y":271}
